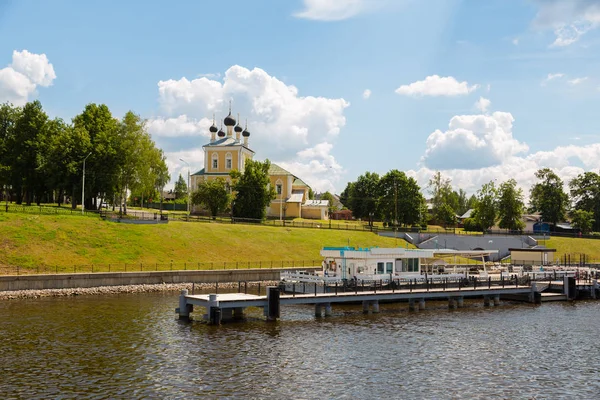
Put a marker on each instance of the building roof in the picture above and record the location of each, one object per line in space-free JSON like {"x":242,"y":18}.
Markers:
{"x":275,"y":169}
{"x":298,"y":182}
{"x":296,"y":197}
{"x":203,"y":172}
{"x":227,"y":142}
{"x":316,"y":203}
{"x":467,"y":214}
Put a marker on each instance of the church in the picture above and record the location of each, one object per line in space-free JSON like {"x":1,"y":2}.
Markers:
{"x":229,"y":150}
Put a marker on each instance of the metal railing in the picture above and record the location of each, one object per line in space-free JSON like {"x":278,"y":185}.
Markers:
{"x":148,"y":267}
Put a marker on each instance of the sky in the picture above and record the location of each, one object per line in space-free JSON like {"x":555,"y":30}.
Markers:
{"x":329,"y":89}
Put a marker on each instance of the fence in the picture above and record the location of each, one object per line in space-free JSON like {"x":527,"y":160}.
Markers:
{"x":46,"y":210}
{"x":149,"y":267}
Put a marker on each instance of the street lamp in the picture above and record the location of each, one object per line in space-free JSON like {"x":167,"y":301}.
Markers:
{"x":188,"y":185}
{"x":83,"y":186}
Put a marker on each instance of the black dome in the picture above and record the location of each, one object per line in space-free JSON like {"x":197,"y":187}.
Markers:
{"x":245,"y":133}
{"x":229,"y":120}
{"x":238,"y":128}
{"x":221,"y":133}
{"x":213,"y":128}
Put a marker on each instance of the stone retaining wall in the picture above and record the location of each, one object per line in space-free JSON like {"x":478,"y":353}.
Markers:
{"x":65,"y":281}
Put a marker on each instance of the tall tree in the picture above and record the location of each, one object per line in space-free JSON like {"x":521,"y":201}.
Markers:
{"x":213,"y":195}
{"x":161,"y":174}
{"x":510,"y":206}
{"x":181,"y":188}
{"x":440,"y":189}
{"x":585,"y":192}
{"x":9,"y":115}
{"x":583,"y":220}
{"x":400,"y":199}
{"x":329,"y":197}
{"x":486,"y":210}
{"x":253,"y":190}
{"x":362,"y":196}
{"x":548,"y":196}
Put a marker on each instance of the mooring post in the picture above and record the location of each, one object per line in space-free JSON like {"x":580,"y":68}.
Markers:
{"x":184,"y":309}
{"x":272,"y":310}
{"x":375,"y":306}
{"x":328,"y":309}
{"x":213,"y":310}
{"x":411,"y":305}
{"x":365,"y":305}
{"x":318,"y":310}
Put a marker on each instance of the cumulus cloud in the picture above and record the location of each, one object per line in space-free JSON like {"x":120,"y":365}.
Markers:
{"x":19,"y":80}
{"x":193,"y":156}
{"x":331,"y":10}
{"x":577,"y":81}
{"x":366,"y":94}
{"x":569,"y":19}
{"x":473,"y":142}
{"x":490,"y":138}
{"x":436,"y":85}
{"x":551,"y":77}
{"x":483,"y":104}
{"x":281,"y":121}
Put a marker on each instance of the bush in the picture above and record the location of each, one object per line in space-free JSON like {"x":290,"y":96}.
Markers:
{"x":470,"y":225}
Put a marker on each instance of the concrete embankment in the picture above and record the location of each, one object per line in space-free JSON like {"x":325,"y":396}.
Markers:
{"x":95,"y":280}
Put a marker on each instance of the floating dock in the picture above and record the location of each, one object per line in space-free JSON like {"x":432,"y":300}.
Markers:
{"x":231,"y":306}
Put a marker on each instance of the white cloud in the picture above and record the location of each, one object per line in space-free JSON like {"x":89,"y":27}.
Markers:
{"x":473,"y":142}
{"x":331,"y":10}
{"x":577,"y":81}
{"x":19,"y":80}
{"x":515,"y":41}
{"x":552,"y":77}
{"x":569,"y":19}
{"x":178,"y":126}
{"x":483,"y":104}
{"x":463,"y":154}
{"x":366,"y":94}
{"x":316,"y":166}
{"x":194,"y":157}
{"x":284,"y":125}
{"x":437,"y":86}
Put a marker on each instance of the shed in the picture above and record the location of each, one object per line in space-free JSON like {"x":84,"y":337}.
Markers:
{"x":532,"y":256}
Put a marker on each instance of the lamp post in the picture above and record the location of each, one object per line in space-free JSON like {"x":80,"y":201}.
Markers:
{"x":83,"y":186}
{"x":188,"y":185}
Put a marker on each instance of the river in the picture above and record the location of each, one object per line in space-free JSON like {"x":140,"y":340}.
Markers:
{"x":133,"y":346}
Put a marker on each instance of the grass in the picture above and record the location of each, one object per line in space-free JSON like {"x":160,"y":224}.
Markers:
{"x":574,"y":247}
{"x":30,"y":241}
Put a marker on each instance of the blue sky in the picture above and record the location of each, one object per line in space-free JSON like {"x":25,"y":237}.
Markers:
{"x":479,"y":90}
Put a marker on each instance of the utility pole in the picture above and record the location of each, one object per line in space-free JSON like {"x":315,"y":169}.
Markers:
{"x":188,"y":186}
{"x":83,"y":186}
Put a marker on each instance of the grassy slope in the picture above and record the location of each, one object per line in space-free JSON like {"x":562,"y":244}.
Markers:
{"x":574,"y":247}
{"x":31,"y":240}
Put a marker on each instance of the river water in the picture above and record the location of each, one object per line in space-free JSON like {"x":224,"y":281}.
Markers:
{"x":133,"y":346}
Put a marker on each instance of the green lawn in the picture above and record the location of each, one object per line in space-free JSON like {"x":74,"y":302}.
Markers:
{"x":49,"y":240}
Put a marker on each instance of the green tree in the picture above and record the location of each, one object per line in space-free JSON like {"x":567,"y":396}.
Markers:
{"x":583,"y":220}
{"x":510,"y":206}
{"x":440,"y":189}
{"x":362,"y":196}
{"x":446,"y":215}
{"x":329,"y":197}
{"x":161,"y":174}
{"x":585,"y":192}
{"x":9,"y":115}
{"x":102,"y":170}
{"x":486,"y":209}
{"x":548,"y":196}
{"x":253,"y":190}
{"x":213,"y":195}
{"x":181,"y":188}
{"x":400,"y":199}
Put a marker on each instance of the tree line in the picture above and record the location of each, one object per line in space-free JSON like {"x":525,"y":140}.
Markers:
{"x":42,"y":159}
{"x":397,"y":200}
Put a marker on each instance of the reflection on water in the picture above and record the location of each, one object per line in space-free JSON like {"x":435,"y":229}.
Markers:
{"x":132,"y":346}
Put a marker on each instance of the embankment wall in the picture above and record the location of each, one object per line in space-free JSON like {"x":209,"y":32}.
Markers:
{"x":65,"y":281}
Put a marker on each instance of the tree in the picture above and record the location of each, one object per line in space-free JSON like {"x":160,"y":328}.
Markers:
{"x":361,"y":196}
{"x":400,"y":199}
{"x":161,"y":175}
{"x":583,"y":220}
{"x":253,"y":190}
{"x":213,"y":195}
{"x":510,"y":206}
{"x":446,"y":215}
{"x":329,"y":197}
{"x":548,"y":196}
{"x":585,"y":192}
{"x":181,"y":188}
{"x":441,"y":191}
{"x":485,"y":211}
{"x":9,"y":116}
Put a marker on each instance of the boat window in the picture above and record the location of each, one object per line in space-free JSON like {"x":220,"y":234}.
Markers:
{"x":389,"y":268}
{"x":380,"y":266}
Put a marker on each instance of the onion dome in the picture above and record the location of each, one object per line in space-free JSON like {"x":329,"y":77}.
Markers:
{"x":245,"y":133}
{"x":221,"y":133}
{"x":229,"y":120}
{"x":213,"y":128}
{"x":238,"y":128}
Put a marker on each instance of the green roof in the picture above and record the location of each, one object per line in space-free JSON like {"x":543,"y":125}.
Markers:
{"x":299,"y":182}
{"x":277,"y":170}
